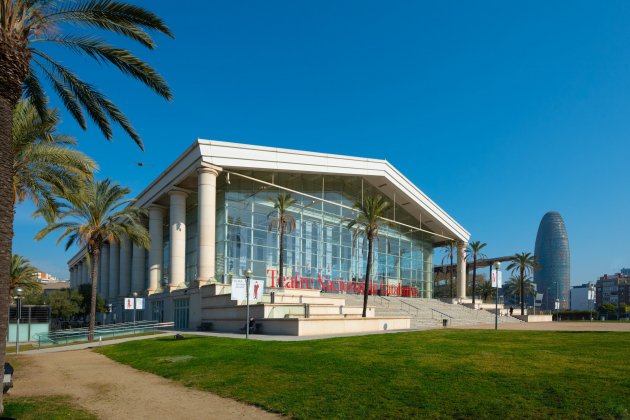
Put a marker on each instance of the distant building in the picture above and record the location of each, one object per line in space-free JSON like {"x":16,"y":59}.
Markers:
{"x":43,"y":277}
{"x":553,"y":277}
{"x":625,"y":271}
{"x":54,"y":286}
{"x":613,"y":289}
{"x":580,"y":299}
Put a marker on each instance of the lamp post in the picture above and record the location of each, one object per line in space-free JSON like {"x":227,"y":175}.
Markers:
{"x":18,"y":302}
{"x":496,"y":266}
{"x":590,"y":298}
{"x":248,"y":275}
{"x":557,"y":309}
{"x":135,"y":295}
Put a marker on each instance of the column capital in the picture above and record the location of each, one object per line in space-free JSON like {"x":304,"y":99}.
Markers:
{"x":178,"y":192}
{"x":154,"y":206}
{"x":208,"y":168}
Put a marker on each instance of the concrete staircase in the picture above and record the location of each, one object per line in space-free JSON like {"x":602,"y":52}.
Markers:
{"x":427,"y":313}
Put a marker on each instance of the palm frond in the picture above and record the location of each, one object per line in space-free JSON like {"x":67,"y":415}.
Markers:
{"x":121,"y":18}
{"x":123,"y":59}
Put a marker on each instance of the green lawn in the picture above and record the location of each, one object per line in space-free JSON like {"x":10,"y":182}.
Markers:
{"x":434,"y":374}
{"x":49,"y":408}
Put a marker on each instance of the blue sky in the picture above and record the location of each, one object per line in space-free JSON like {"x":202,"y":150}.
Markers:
{"x":499,"y":111}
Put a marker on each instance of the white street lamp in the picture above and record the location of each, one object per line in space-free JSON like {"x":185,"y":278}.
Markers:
{"x":135,"y":295}
{"x":496,"y":266}
{"x":248,"y":275}
{"x":19,"y":292}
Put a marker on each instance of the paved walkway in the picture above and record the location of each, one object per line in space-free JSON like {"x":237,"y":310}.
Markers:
{"x":115,"y":391}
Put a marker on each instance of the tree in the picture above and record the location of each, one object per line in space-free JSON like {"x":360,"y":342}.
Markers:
{"x":486,"y":291}
{"x":513,"y":288}
{"x":367,"y":222}
{"x":608,"y":309}
{"x":474,"y":252}
{"x":43,"y":161}
{"x":93,"y":215}
{"x":282,"y":222}
{"x":26,"y":24}
{"x":450,"y":250}
{"x":23,"y":275}
{"x":64,"y":304}
{"x":85,"y":290}
{"x":524,"y":265}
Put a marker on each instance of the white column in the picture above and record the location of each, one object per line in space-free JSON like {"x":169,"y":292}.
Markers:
{"x":156,"y":257}
{"x":461,"y":269}
{"x":206,"y":220}
{"x":137,"y":268}
{"x":79,"y":274}
{"x":178,"y":238}
{"x":104,"y":280}
{"x":114,"y":269}
{"x":124,"y":286}
{"x":84,"y":270}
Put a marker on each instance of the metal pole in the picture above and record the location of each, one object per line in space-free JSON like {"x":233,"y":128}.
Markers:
{"x":17,"y":333}
{"x":247,"y":296}
{"x":18,"y":299}
{"x":134,"y":315}
{"x":496,"y":301}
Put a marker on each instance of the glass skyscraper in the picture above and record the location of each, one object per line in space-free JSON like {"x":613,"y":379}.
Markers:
{"x":553,"y":277}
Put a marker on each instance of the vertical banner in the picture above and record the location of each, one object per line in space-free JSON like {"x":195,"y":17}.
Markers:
{"x":128,"y":303}
{"x":256,"y":290}
{"x":139,"y":303}
{"x":238,"y":289}
{"x":497,"y":279}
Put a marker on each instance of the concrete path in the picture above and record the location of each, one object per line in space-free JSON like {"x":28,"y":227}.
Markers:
{"x":115,"y":391}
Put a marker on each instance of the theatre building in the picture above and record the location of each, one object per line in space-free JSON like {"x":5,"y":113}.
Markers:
{"x":210,"y":217}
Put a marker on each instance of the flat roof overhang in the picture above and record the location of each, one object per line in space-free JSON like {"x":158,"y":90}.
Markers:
{"x":234,"y":156}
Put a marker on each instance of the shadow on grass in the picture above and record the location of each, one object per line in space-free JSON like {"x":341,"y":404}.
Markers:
{"x":187,"y":338}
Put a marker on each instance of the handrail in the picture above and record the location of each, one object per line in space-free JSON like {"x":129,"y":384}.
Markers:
{"x":383,"y":298}
{"x":110,"y":330}
{"x":441,"y":313}
{"x":409,"y":304}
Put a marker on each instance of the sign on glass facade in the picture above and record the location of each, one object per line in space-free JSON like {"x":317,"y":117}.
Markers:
{"x":321,"y":253}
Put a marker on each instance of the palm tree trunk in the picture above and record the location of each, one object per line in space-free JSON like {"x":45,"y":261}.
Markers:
{"x":368,"y":269}
{"x":281,"y":256}
{"x":96,"y":257}
{"x":522,"y":291}
{"x":6,"y":219}
{"x":474,"y":282}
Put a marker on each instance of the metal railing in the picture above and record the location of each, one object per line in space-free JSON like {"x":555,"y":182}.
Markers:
{"x":434,"y":311}
{"x":100,"y":332}
{"x":409,"y":305}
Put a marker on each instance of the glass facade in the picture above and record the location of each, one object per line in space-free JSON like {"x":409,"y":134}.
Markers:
{"x":321,"y":252}
{"x":552,"y":278}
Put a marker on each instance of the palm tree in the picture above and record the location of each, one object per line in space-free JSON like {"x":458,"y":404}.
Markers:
{"x":367,"y":222}
{"x":282,"y":222}
{"x":23,"y":274}
{"x":485,"y":289}
{"x":474,"y":251}
{"x":26,"y":24}
{"x":513,"y":287}
{"x":44,"y":162}
{"x":523,"y":263}
{"x":92,"y":216}
{"x":450,"y":250}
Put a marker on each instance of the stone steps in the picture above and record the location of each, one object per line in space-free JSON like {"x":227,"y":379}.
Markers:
{"x":427,"y":312}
